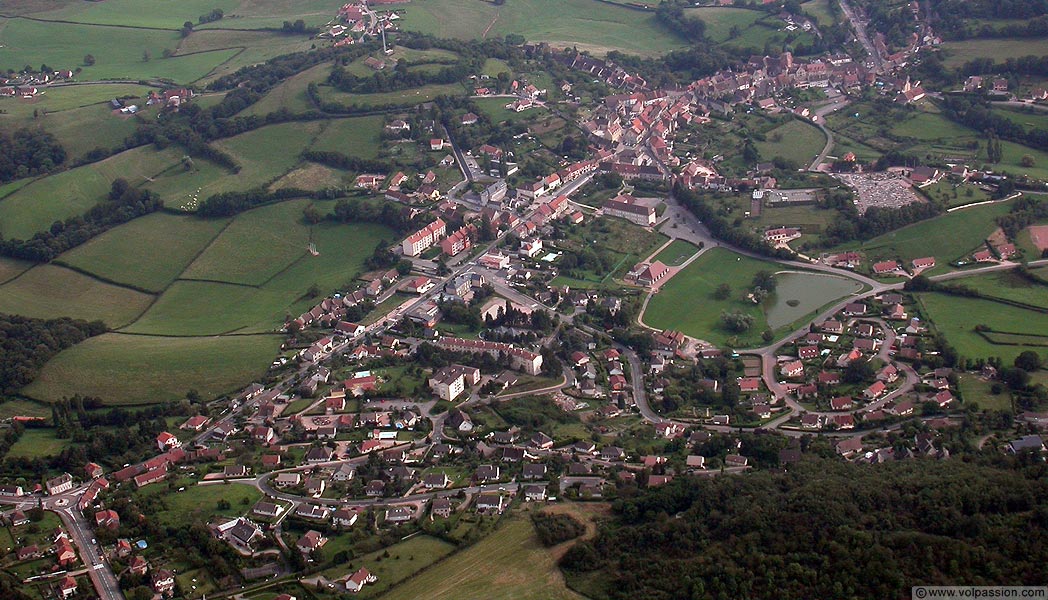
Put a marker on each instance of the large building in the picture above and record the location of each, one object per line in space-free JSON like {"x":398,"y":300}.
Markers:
{"x":418,"y":242}
{"x":449,"y":382}
{"x":626,"y":207}
{"x":525,"y":360}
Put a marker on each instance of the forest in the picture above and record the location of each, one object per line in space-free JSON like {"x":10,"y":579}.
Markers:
{"x":825,"y":529}
{"x":28,"y":152}
{"x":26,"y":344}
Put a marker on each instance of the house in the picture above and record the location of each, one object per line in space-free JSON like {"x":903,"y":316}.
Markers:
{"x":533,"y":471}
{"x":750,"y":384}
{"x":400,"y":514}
{"x":854,"y":309}
{"x":64,"y":553}
{"x":781,"y":235}
{"x":459,"y":421}
{"x":535,"y":493}
{"x":849,"y":447}
{"x":943,"y":398}
{"x":841,"y":403}
{"x":493,"y":503}
{"x":139,"y":565}
{"x":108,"y":519}
{"x":420,"y":285}
{"x":167,"y":441}
{"x":312,"y":511}
{"x":195,"y":423}
{"x":695,"y":462}
{"x":669,"y":430}
{"x":27,"y":552}
{"x":1028,"y":443}
{"x":626,"y":207}
{"x":267,"y":509}
{"x":807,"y":352}
{"x":919,"y":264}
{"x":441,"y":507}
{"x":735,"y":460}
{"x":315,"y":486}
{"x":436,"y":481}
{"x":793,"y":368}
{"x":287,"y":479}
{"x":541,"y":440}
{"x":900,"y":409}
{"x":652,"y":273}
{"x":811,"y":421}
{"x":263,"y":434}
{"x":888,"y":374}
{"x":311,"y":541}
{"x":875,"y":390}
{"x":487,"y":473}
{"x":359,"y":579}
{"x":59,"y":485}
{"x":833,"y":326}
{"x":612,"y":453}
{"x":844,"y":421}
{"x":163,"y":581}
{"x":67,"y":587}
{"x":11,"y":491}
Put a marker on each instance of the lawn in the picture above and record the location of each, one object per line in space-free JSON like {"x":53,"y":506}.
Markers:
{"x":495,"y":109}
{"x":507,"y":564}
{"x":148,"y":253}
{"x":135,"y":369}
{"x":49,"y":291}
{"x":795,"y":140}
{"x":119,"y":52}
{"x":686,"y":302}
{"x":948,"y":237}
{"x":200,"y":502}
{"x":956,"y":318}
{"x":676,"y":253}
{"x":584,"y":24}
{"x":37,"y":443}
{"x":976,"y":391}
{"x":36,"y":206}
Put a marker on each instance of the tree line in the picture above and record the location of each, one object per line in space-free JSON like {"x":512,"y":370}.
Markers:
{"x":27,"y":344}
{"x":26,"y":152}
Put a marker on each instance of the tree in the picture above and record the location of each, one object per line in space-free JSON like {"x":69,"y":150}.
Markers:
{"x":1027,"y":161}
{"x":764,"y":279}
{"x":1028,"y":361}
{"x":737,"y":321}
{"x":311,"y":214}
{"x":89,"y":59}
{"x":722,"y":292}
{"x":187,"y":28}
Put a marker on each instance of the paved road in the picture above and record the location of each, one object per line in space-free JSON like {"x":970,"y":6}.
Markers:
{"x":860,"y":31}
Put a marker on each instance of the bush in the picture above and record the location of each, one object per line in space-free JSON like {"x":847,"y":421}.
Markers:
{"x":554,"y":529}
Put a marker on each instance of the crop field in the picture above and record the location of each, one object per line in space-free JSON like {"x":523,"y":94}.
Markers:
{"x":509,"y":564}
{"x":148,"y":253}
{"x":357,"y":136}
{"x":49,"y":291}
{"x":956,"y":318}
{"x":70,"y":193}
{"x":138,"y":369}
{"x":406,"y":97}
{"x":947,"y":237}
{"x":581,"y":23}
{"x":795,"y":140}
{"x":676,"y":253}
{"x":957,"y":53}
{"x":686,"y":302}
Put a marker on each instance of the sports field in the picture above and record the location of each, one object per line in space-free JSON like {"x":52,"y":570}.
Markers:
{"x":585,"y":24}
{"x":948,"y":237}
{"x":49,"y":291}
{"x":676,"y":253}
{"x":137,"y":369}
{"x":956,"y":318}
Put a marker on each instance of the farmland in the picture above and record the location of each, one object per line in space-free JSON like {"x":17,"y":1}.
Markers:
{"x":581,"y":23}
{"x":406,"y":97}
{"x":958,"y":53}
{"x":796,"y":140}
{"x":136,"y":369}
{"x":956,"y":318}
{"x":290,"y":93}
{"x":359,"y":136}
{"x":49,"y":291}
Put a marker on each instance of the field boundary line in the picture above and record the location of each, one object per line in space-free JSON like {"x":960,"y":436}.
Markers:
{"x":217,"y":281}
{"x":68,"y":22}
{"x":230,"y":333}
{"x":103,"y":279}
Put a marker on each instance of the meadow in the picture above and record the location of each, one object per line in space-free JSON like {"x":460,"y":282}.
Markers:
{"x":584,"y":24}
{"x":795,"y":140}
{"x":956,"y":317}
{"x":974,"y":390}
{"x":495,"y":109}
{"x":399,"y":562}
{"x":267,"y":153}
{"x":49,"y":291}
{"x":405,"y":97}
{"x":956,"y":54}
{"x":37,"y":443}
{"x":290,"y":93}
{"x":508,"y":564}
{"x":11,"y":268}
{"x":138,"y":369}
{"x":1009,"y":285}
{"x":200,"y":502}
{"x":948,"y":237}
{"x":147,"y":253}
{"x":356,"y":136}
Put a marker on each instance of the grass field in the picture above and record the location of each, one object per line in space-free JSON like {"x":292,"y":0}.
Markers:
{"x":397,"y":562}
{"x":686,"y":302}
{"x":267,"y":153}
{"x":210,"y":308}
{"x":49,"y":291}
{"x":200,"y":502}
{"x":582,"y":23}
{"x":797,"y":140}
{"x":136,"y":369}
{"x":957,"y":53}
{"x":11,"y":268}
{"x":19,"y":407}
{"x":956,"y":317}
{"x":976,"y":391}
{"x":495,"y":109}
{"x":359,"y":136}
{"x":313,"y":177}
{"x":508,"y":564}
{"x":148,"y":253}
{"x":290,"y":93}
{"x":947,"y":237}
{"x":1010,"y":286}
{"x":676,"y":253}
{"x":37,"y":443}
{"x":406,"y":97}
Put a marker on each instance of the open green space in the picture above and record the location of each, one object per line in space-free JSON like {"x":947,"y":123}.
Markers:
{"x":508,"y":564}
{"x":249,"y":47}
{"x":676,"y":253}
{"x":956,"y":317}
{"x":120,"y":52}
{"x":290,"y":93}
{"x":720,"y":20}
{"x":11,"y":268}
{"x":358,"y":136}
{"x":495,"y":109}
{"x":820,"y":9}
{"x":258,"y":14}
{"x":795,"y":140}
{"x":212,"y":308}
{"x":137,"y":13}
{"x":148,"y":253}
{"x":1009,"y":285}
{"x":138,"y":369}
{"x":19,"y":407}
{"x":401,"y":561}
{"x":405,"y":97}
{"x":948,"y":237}
{"x":200,"y":502}
{"x":37,"y":443}
{"x":588,"y":25}
{"x":49,"y":291}
{"x":974,"y":390}
{"x":36,"y":206}
{"x":956,"y":194}
{"x":267,"y":153}
{"x":957,"y":53}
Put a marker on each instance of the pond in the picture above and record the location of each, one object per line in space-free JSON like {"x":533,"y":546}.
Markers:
{"x":797,"y":294}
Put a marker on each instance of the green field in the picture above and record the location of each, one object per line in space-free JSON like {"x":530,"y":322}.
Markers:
{"x":70,"y":193}
{"x":686,"y":302}
{"x":676,"y":253}
{"x":138,"y":369}
{"x":956,"y":54}
{"x":37,"y":443}
{"x":956,"y":317}
{"x":720,"y":20}
{"x":584,"y":24}
{"x":948,"y":237}
{"x":1010,"y":286}
{"x":359,"y":136}
{"x":406,"y":97}
{"x":976,"y":391}
{"x":495,"y":109}
{"x":10,"y":268}
{"x":508,"y":564}
{"x":405,"y":558}
{"x":209,"y":308}
{"x":49,"y":291}
{"x":267,"y":153}
{"x":148,"y":253}
{"x":25,"y":408}
{"x":290,"y":93}
{"x":796,"y":140}
{"x":200,"y":502}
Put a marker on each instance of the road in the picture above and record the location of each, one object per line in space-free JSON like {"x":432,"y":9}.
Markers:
{"x":860,"y":32}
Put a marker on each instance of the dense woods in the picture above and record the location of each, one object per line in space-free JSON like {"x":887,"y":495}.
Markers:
{"x":554,"y":528}
{"x":28,"y":152}
{"x":825,"y":529}
{"x":26,"y":344}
